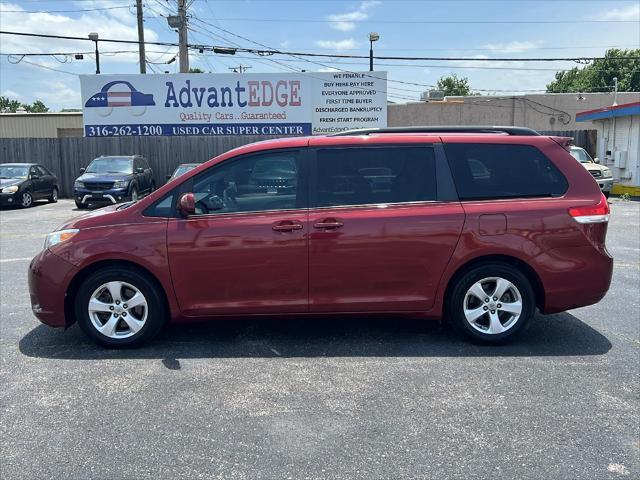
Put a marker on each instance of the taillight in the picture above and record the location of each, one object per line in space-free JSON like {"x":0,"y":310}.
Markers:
{"x":592,"y":213}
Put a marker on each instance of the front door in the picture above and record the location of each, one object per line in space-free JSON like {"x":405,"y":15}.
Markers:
{"x":379,"y":238}
{"x":245,"y":249}
{"x":39,"y":182}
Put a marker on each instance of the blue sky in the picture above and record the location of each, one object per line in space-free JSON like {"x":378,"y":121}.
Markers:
{"x":318,"y":26}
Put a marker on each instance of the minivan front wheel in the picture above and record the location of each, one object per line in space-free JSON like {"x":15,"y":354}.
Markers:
{"x":492,"y":303}
{"x":120,"y":307}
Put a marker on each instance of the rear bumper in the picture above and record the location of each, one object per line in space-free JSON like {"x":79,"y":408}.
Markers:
{"x":575,"y":277}
{"x":49,"y":278}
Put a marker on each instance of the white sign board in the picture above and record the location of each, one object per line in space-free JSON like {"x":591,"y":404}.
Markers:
{"x":232,"y":104}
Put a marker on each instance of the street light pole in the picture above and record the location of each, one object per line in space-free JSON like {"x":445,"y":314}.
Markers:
{"x":94,"y":36}
{"x":373,"y":37}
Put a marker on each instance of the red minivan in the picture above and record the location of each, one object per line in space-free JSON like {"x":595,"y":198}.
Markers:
{"x":476,"y":225}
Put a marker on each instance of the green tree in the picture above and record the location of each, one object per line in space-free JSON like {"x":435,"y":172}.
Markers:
{"x":195,"y":70}
{"x":598,"y":76}
{"x":9,"y":105}
{"x":451,"y":85}
{"x":36,"y":107}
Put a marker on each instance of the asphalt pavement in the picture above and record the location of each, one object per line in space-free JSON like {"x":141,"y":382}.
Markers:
{"x":323,"y":398}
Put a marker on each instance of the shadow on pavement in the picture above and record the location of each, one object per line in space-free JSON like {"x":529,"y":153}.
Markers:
{"x":552,"y":335}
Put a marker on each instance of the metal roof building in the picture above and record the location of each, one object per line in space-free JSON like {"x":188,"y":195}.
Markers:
{"x":618,"y":147}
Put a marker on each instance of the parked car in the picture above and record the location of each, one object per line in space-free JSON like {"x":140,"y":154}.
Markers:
{"x":23,"y":183}
{"x":181,"y":170}
{"x":113,"y":179}
{"x":602,"y":174}
{"x":482,"y":251}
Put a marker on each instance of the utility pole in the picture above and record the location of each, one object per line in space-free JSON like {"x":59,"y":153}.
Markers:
{"x":143,"y":60}
{"x":182,"y":37}
{"x":239,"y":69}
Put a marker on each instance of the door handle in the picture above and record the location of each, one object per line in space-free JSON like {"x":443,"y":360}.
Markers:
{"x":328,"y":224}
{"x":287,"y":226}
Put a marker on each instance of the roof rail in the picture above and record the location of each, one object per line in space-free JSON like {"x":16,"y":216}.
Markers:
{"x":522,"y":131}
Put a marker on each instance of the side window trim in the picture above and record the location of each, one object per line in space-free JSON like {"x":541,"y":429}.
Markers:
{"x":450,"y":160}
{"x":302,"y":154}
{"x":313,"y":174}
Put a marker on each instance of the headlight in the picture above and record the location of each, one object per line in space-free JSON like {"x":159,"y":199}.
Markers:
{"x":78,"y":184}
{"x":11,"y":189}
{"x":606,"y":173}
{"x":60,"y":236}
{"x":120,"y":184}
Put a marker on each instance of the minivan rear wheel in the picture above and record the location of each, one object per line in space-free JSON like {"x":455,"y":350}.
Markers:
{"x":492,"y":303}
{"x":120,"y":307}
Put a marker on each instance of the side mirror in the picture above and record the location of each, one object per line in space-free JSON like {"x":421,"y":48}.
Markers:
{"x":187,"y":204}
{"x":139,"y":170}
{"x":82,"y":170}
{"x":597,"y":160}
{"x":34,"y":176}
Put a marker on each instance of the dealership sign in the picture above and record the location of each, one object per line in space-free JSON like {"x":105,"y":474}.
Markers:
{"x":232,"y":104}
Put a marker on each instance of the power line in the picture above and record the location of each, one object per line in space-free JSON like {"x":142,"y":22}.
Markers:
{"x":272,"y":51}
{"x":419,"y":22}
{"x":63,"y":11}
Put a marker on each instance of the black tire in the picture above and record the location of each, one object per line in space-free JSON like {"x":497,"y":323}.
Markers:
{"x":80,"y":206}
{"x":606,"y":194}
{"x":53,"y":198}
{"x":153,"y":187}
{"x":133,"y":192}
{"x":458,"y":297}
{"x":26,"y":199}
{"x":156,"y":316}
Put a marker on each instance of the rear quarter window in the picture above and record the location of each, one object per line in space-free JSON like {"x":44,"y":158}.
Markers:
{"x":490,"y":171}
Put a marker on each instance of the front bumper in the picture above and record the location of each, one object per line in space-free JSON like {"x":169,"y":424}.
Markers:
{"x":7,"y":199}
{"x":114,"y":195}
{"x":49,"y":279}
{"x":605,"y":184}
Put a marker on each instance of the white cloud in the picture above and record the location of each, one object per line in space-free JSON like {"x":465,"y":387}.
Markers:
{"x":513,"y":47}
{"x":338,"y":45}
{"x":632,"y":12}
{"x":118,"y":24}
{"x":12,"y":95}
{"x":59,"y":93}
{"x":346,"y":21}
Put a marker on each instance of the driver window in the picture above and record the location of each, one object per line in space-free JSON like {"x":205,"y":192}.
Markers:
{"x":252,"y":184}
{"x":33,"y":171}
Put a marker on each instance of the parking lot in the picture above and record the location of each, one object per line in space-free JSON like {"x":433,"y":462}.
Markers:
{"x":323,"y":398}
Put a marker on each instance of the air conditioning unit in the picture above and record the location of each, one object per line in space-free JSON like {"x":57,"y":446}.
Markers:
{"x":432,"y":96}
{"x":620,"y":158}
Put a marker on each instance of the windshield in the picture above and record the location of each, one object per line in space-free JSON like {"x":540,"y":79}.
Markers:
{"x":182,"y":169}
{"x":581,"y":155}
{"x":110,"y":165}
{"x":13,"y":171}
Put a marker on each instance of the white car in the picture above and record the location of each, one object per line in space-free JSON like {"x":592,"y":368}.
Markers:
{"x":602,"y":174}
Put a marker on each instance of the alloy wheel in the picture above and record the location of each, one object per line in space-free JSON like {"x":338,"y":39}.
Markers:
{"x":27,"y":199}
{"x":118,"y":309}
{"x":492,"y":305}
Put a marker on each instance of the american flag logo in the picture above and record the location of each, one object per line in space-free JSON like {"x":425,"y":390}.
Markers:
{"x":119,"y":99}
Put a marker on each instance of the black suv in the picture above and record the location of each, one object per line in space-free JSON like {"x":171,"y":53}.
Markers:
{"x":113,"y":179}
